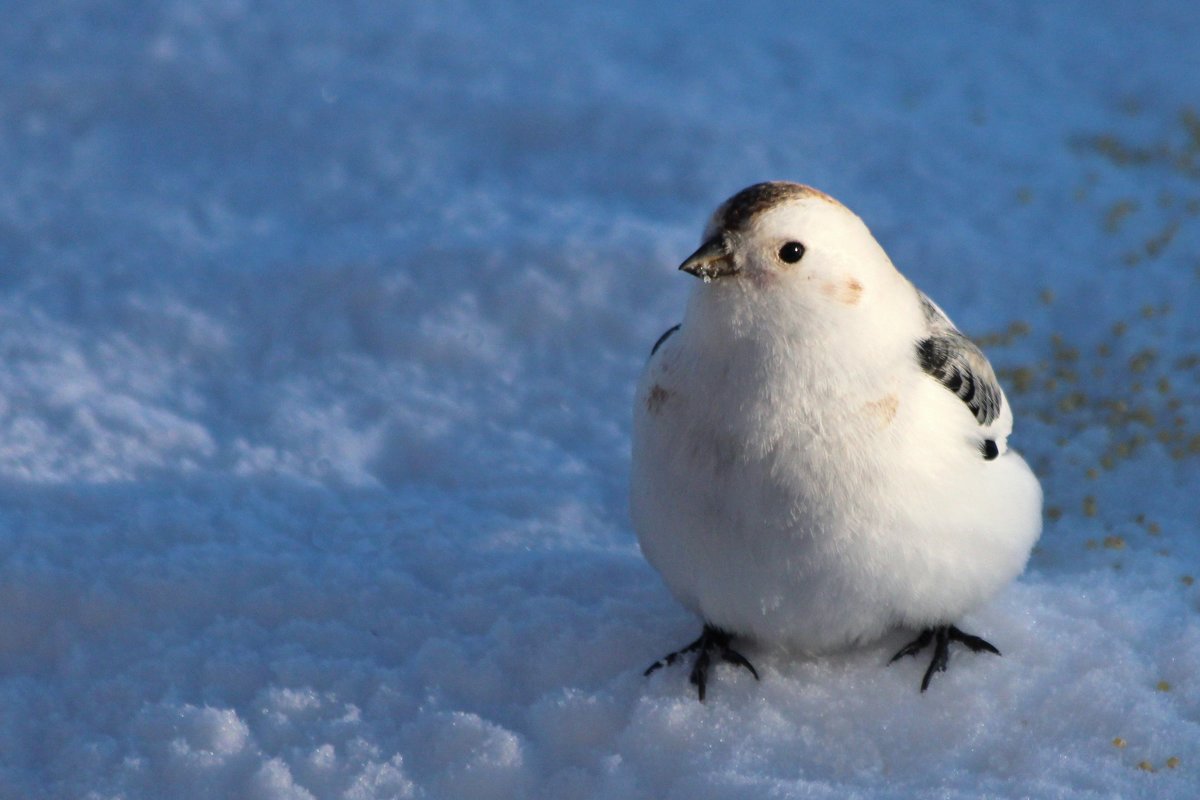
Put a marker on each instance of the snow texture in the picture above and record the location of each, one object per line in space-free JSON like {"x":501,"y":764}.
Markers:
{"x":319,"y":328}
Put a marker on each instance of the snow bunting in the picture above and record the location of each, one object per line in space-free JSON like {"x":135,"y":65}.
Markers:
{"x":819,"y":455}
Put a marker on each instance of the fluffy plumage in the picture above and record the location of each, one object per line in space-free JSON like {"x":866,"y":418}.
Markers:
{"x":819,"y":455}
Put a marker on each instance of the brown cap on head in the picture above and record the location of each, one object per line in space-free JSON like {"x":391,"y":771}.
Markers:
{"x":738,"y":211}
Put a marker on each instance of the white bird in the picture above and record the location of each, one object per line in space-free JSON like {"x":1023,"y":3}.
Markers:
{"x":819,"y":455}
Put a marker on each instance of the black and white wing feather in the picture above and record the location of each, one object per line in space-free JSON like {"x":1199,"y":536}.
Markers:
{"x":958,"y":364}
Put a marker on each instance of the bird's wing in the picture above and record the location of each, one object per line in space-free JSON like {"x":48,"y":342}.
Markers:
{"x":666,"y":335}
{"x":959,"y":365}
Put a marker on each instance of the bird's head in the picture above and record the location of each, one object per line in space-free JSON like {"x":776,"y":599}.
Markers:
{"x":793,"y":241}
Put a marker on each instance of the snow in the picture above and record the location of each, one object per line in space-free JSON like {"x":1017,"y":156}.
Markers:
{"x":319,"y":327}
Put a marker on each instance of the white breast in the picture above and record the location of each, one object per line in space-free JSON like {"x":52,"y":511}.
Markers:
{"x":821,"y":515}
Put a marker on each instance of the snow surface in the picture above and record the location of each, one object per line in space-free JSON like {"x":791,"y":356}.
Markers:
{"x":320,"y":325}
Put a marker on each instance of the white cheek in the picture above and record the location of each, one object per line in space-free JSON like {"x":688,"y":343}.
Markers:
{"x":763,"y":278}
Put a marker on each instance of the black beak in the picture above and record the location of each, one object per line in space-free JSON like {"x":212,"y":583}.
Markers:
{"x":713,"y":260}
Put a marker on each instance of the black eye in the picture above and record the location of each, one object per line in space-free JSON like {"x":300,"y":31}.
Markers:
{"x":791,"y":252}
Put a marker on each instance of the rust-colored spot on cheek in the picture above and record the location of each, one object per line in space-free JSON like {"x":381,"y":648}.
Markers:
{"x":848,"y":292}
{"x":853,"y":292}
{"x":654,"y":401}
{"x":884,"y":409}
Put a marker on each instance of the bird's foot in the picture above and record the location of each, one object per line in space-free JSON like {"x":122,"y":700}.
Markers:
{"x":713,"y":641}
{"x":942,"y":636}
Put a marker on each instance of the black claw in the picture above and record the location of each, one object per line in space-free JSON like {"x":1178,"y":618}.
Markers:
{"x":942,"y":636}
{"x":734,"y":657}
{"x":915,"y":646}
{"x":671,"y":658}
{"x":712,"y":640}
{"x":974,"y":642}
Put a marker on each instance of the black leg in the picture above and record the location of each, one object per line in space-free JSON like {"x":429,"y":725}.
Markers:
{"x":699,"y":676}
{"x":941,"y":656}
{"x":712,"y":641}
{"x":942,"y":636}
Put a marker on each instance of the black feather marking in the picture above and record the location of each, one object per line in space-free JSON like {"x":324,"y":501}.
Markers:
{"x":958,"y":364}
{"x":663,"y":338}
{"x":968,"y":393}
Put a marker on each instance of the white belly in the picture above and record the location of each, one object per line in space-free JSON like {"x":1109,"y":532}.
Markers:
{"x":819,"y":531}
